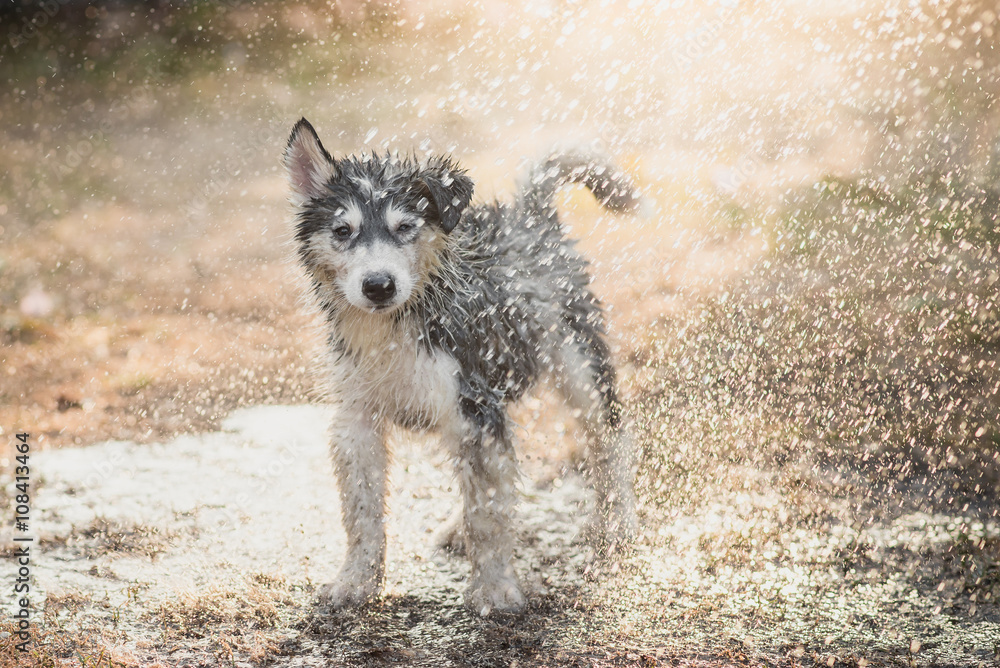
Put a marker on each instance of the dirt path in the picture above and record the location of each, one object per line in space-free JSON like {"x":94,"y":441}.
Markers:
{"x":207,"y":550}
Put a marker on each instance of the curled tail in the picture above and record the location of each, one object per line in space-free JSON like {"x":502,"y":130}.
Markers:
{"x":612,"y":187}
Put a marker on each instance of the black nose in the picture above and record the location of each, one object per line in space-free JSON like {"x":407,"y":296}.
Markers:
{"x":379,"y":288}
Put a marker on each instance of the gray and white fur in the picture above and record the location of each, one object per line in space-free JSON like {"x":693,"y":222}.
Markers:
{"x":440,"y":315}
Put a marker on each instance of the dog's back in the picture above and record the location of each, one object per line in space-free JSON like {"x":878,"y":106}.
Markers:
{"x":512,"y":297}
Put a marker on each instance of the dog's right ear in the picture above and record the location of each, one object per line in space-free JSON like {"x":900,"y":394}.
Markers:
{"x":448,"y":191}
{"x":308,"y":164}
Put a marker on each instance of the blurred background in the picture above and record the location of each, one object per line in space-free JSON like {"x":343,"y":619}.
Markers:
{"x":817,"y":290}
{"x":822,"y":258}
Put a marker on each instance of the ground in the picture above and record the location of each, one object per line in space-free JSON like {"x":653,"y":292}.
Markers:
{"x":208,"y":550}
{"x":813,"y":383}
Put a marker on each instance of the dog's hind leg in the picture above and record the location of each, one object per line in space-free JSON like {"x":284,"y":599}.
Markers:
{"x":450,"y":536}
{"x":360,"y":460}
{"x":587,"y":381}
{"x":487,"y":474}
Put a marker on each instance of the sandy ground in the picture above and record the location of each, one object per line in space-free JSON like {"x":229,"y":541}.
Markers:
{"x":208,"y":549}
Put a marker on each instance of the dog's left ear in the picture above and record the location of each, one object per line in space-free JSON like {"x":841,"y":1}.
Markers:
{"x":308,"y":164}
{"x":449,"y":192}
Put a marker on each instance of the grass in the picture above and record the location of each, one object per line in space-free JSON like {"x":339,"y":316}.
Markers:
{"x":870,"y":331}
{"x":234,"y":619}
{"x":56,"y":647}
{"x":103,"y":536}
{"x":247,"y":618}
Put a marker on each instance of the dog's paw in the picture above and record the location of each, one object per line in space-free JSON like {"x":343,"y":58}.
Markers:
{"x":349,"y":592}
{"x":500,"y":595}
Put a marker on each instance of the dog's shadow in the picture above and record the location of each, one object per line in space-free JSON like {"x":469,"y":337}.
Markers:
{"x":433,"y":628}
{"x":429,"y":623}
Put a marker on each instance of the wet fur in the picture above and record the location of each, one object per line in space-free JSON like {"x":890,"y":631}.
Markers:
{"x":496,"y":299}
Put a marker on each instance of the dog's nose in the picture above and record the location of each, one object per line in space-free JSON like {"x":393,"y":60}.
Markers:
{"x":379,"y":288}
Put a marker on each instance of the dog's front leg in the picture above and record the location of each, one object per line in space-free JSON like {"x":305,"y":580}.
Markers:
{"x":487,"y":473}
{"x":360,"y":460}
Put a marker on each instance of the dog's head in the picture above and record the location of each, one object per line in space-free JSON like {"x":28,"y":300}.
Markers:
{"x":370,"y":227}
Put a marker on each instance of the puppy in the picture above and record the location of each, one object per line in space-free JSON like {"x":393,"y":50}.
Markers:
{"x":439,"y":315}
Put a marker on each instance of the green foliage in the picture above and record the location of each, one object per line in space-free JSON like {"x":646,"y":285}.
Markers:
{"x":165,"y":42}
{"x":871,"y":332}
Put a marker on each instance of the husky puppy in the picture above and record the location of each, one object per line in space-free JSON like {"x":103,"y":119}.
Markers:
{"x":440,"y":315}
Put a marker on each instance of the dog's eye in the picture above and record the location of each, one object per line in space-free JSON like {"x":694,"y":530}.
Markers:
{"x":342,"y":232}
{"x":403,"y":228}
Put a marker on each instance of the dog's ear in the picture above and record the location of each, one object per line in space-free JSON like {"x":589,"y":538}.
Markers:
{"x":448,"y":191}
{"x":308,"y":164}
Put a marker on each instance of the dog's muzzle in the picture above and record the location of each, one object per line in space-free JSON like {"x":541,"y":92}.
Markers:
{"x":379,"y":288}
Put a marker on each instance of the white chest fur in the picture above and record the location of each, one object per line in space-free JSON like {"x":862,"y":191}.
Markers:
{"x":392,"y":373}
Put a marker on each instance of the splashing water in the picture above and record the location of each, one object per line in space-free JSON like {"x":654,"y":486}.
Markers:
{"x":806,"y":318}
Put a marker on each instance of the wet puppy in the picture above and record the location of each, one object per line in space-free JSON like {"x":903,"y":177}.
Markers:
{"x":439,"y":316}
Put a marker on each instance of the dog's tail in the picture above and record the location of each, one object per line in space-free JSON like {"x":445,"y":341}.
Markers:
{"x":612,"y":187}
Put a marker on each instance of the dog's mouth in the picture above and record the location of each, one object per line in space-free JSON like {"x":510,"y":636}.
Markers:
{"x":382,"y":308}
